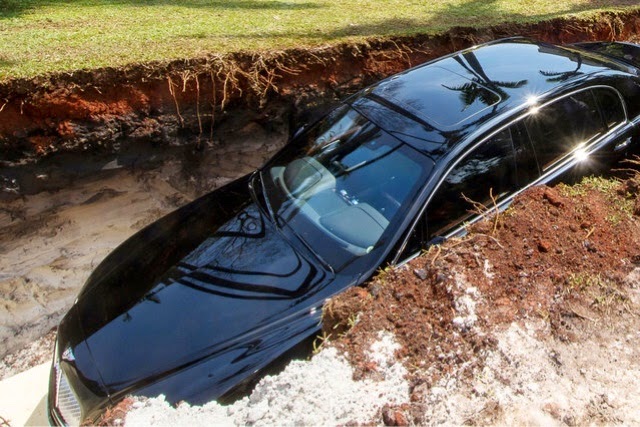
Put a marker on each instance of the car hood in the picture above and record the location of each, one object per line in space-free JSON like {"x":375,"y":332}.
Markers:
{"x":231,"y":280}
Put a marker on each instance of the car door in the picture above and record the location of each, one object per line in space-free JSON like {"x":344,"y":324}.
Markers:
{"x":563,"y":139}
{"x":578,"y":134}
{"x":484,"y":177}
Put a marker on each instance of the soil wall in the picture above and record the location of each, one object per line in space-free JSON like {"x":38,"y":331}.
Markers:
{"x":206,"y":101}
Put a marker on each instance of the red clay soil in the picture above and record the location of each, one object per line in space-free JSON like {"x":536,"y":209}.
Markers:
{"x":560,"y":255}
{"x":114,"y":416}
{"x":190,"y":101}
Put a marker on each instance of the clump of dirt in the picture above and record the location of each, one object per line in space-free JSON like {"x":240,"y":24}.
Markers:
{"x":566,"y":259}
{"x":114,"y":416}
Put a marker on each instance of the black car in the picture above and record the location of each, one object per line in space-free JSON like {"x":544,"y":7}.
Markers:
{"x":199,"y":304}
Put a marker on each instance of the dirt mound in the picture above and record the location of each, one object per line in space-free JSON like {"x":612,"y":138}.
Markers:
{"x":566,"y":259}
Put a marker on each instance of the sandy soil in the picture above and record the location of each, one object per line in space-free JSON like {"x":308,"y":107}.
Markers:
{"x":329,"y":396}
{"x":50,"y":242}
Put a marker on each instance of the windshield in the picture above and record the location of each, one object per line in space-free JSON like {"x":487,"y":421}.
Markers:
{"x":342,"y":184}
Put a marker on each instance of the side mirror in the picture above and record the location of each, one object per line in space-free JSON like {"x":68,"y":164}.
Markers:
{"x":438,"y":240}
{"x":621,"y":146}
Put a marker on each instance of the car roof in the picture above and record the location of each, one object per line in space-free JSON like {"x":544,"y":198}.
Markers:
{"x":435,"y":105}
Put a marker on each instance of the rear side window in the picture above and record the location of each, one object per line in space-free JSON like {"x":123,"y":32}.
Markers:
{"x":490,"y":169}
{"x":610,"y":106}
{"x":560,"y":127}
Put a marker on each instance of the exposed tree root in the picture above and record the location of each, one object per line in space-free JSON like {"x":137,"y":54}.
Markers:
{"x":55,"y":113}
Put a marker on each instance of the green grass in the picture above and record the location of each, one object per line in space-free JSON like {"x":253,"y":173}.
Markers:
{"x":40,"y":36}
{"x":602,"y":292}
{"x":620,"y":208}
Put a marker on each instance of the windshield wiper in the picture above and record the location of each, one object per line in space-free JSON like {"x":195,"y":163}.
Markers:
{"x":259,"y":196}
{"x":316,"y":254}
{"x":275,"y":219}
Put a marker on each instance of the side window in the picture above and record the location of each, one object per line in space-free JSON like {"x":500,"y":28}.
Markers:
{"x":490,"y":169}
{"x":610,"y":106}
{"x":526,"y":163}
{"x":560,"y":127}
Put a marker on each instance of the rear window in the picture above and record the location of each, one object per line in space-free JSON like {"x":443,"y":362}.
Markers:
{"x":437,"y":95}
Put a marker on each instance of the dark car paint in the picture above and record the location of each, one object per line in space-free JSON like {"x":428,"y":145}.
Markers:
{"x":514,"y":80}
{"x":149,"y":321}
{"x":158,"y":321}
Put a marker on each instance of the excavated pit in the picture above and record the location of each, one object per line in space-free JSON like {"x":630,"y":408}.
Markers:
{"x":137,"y":116}
{"x":88,"y":158}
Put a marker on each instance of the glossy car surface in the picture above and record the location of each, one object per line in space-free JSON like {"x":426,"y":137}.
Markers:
{"x":197,"y":305}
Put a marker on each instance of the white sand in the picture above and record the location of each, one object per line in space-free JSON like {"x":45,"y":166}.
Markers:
{"x":316,"y":392}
